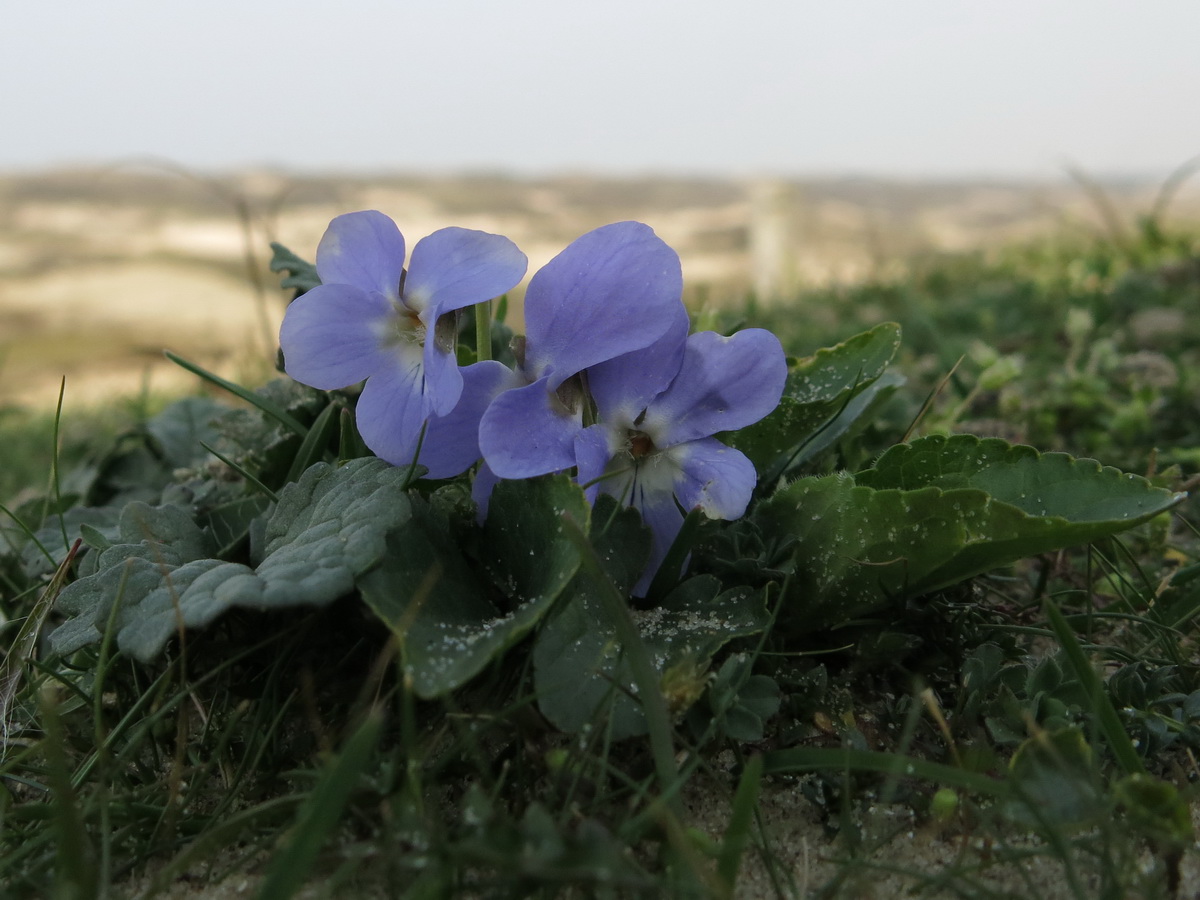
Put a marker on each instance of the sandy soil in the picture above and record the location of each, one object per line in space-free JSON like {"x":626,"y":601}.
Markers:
{"x":897,"y":855}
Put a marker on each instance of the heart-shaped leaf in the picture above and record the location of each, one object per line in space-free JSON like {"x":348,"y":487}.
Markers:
{"x":451,"y":622}
{"x":581,"y":673}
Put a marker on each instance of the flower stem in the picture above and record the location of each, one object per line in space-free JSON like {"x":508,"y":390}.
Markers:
{"x":483,"y":330}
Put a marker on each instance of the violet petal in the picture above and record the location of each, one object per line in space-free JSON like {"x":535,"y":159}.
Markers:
{"x":481,"y":490}
{"x":613,"y":290}
{"x":725,"y":383}
{"x":593,"y":450}
{"x":660,"y":512}
{"x":443,"y":379}
{"x":718,"y":479}
{"x":391,"y":411}
{"x":364,"y":249}
{"x":527,"y":432}
{"x":457,"y":267}
{"x":451,"y":443}
{"x":624,"y":386}
{"x":331,"y":335}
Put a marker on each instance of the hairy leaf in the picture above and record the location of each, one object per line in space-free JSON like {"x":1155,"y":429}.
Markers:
{"x":301,"y":274}
{"x":328,"y":529}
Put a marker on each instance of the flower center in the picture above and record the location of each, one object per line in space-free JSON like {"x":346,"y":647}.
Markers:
{"x":404,"y":327}
{"x":640,"y":444}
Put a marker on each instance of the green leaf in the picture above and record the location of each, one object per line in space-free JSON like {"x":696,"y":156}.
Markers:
{"x":353,"y":505}
{"x":1040,"y":484}
{"x":1040,"y":502}
{"x":742,"y":724}
{"x":328,"y":529}
{"x":524,"y":545}
{"x":857,"y":409}
{"x":302,"y":275}
{"x":94,"y":537}
{"x":568,"y":638}
{"x":259,"y":443}
{"x":164,"y":535}
{"x":428,"y":594}
{"x":1156,"y":809}
{"x":103,"y":519}
{"x":230,"y":522}
{"x":760,"y":695}
{"x":939,"y":511}
{"x":815,"y":407}
{"x":739,"y":703}
{"x":88,"y":601}
{"x":1056,"y":781}
{"x":581,"y":673}
{"x":182,"y":428}
{"x":312,"y":448}
{"x":453,"y":622}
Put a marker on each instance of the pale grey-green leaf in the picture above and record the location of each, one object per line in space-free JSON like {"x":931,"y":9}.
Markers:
{"x":328,"y":529}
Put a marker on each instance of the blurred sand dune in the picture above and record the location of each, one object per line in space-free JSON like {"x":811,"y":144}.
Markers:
{"x":101,"y":269}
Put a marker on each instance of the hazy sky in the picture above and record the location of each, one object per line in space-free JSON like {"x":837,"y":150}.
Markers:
{"x":892,"y":87}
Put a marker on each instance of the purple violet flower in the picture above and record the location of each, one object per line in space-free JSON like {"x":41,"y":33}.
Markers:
{"x":612,"y":291}
{"x":370,"y":318}
{"x":653,"y":447}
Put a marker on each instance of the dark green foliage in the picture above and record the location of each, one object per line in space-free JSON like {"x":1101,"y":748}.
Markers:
{"x":739,"y":703}
{"x":286,"y":646}
{"x":936,"y":512}
{"x":451,"y":617}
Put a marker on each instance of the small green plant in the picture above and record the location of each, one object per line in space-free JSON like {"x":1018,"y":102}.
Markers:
{"x":463,"y":651}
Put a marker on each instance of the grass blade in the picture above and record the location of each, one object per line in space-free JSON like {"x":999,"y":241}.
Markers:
{"x":55,"y":475}
{"x":75,"y":858}
{"x":737,"y":835}
{"x":276,"y":412}
{"x":320,"y":813}
{"x":23,"y":646}
{"x":1106,"y":715}
{"x":809,"y":759}
{"x":315,"y":441}
{"x":28,"y":532}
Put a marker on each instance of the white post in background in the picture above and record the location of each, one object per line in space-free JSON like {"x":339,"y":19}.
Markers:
{"x":773,"y":234}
